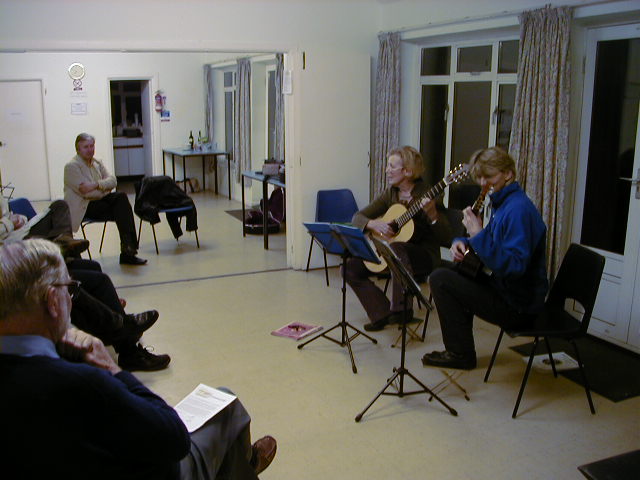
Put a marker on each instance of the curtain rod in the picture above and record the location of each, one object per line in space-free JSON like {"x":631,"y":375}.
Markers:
{"x":502,"y":14}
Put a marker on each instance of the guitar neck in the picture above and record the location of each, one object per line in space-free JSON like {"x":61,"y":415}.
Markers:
{"x":417,"y":204}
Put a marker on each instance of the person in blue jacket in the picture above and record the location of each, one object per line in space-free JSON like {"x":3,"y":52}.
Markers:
{"x":511,"y":287}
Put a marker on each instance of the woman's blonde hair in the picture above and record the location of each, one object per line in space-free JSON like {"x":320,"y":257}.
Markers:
{"x":486,"y":162}
{"x":411,"y":160}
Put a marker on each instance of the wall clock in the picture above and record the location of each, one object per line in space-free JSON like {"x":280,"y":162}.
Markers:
{"x":76,"y":71}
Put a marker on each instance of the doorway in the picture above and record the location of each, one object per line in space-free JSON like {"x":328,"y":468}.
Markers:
{"x":131,"y":128}
{"x":607,"y":207}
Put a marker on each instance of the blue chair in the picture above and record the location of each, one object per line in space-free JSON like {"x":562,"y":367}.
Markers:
{"x":333,"y":206}
{"x":22,"y":206}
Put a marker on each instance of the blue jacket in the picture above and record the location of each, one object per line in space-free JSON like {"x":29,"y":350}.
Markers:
{"x":513,"y":246}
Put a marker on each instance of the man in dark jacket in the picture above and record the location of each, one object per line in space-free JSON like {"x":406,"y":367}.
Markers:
{"x":512,"y":287}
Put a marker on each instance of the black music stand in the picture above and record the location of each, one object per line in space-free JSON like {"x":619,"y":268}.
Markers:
{"x":348,"y":242}
{"x":410,"y":288}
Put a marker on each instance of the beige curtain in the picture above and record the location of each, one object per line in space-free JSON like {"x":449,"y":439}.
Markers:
{"x":540,"y":129}
{"x":279,"y":108}
{"x":387,"y":108}
{"x":242,"y":134}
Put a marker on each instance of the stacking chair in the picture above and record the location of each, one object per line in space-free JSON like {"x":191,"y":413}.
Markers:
{"x":333,"y":206}
{"x":88,"y":221}
{"x":578,"y":279}
{"x":181,"y":211}
{"x":22,"y":206}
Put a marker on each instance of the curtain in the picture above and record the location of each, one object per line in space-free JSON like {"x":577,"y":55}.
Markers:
{"x":386,"y":129}
{"x":242,"y":133}
{"x":279,"y":108}
{"x":209,"y":94}
{"x":540,"y":129}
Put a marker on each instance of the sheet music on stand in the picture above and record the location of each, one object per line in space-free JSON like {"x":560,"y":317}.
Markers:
{"x":337,"y":238}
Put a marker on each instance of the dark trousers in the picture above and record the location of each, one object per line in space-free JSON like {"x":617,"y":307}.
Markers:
{"x":458,"y":298}
{"x":372,"y":298}
{"x":56,"y":222}
{"x":96,"y":308}
{"x":115,"y":206}
{"x":221,"y":448}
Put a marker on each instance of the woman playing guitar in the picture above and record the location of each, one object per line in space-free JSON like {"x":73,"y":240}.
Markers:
{"x":420,"y":254}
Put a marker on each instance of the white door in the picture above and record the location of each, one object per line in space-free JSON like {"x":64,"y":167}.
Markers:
{"x":23,"y":156}
{"x":607,"y":214}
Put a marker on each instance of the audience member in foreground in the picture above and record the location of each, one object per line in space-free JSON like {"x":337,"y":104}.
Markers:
{"x":70,"y":412}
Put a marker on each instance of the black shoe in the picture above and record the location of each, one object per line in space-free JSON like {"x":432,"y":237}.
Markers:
{"x":377,"y":325}
{"x":400,"y":317}
{"x":141,"y":359}
{"x":141,"y":322}
{"x":130,"y":259}
{"x":449,"y":360}
{"x":70,"y":247}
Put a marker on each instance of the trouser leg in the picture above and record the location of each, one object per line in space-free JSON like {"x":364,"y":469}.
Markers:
{"x":98,"y":285}
{"x":94,"y":317}
{"x":221,"y":448}
{"x":416,"y":261}
{"x":372,"y":298}
{"x":115,"y":206}
{"x":56,"y":222}
{"x":458,"y":299}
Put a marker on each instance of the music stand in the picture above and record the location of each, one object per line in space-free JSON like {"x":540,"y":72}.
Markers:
{"x":410,"y":288}
{"x":348,"y":242}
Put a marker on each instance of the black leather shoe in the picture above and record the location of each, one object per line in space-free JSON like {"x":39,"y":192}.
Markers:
{"x":127,"y":259}
{"x":377,"y":325}
{"x":449,"y":360}
{"x":141,"y":359}
{"x":262,"y":453}
{"x":141,"y":322}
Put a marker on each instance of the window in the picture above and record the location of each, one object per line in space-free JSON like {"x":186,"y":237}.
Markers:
{"x":467,"y":98}
{"x":271,"y":113}
{"x":229,"y":81}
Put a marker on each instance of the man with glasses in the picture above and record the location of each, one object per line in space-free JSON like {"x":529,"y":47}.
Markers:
{"x":71,"y":412}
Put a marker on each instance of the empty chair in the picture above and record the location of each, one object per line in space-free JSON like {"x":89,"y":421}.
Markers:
{"x":332,"y":206}
{"x":160,"y":194}
{"x":88,"y":221}
{"x":579,"y":280}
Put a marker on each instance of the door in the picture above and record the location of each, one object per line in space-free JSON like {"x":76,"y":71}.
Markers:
{"x":607,"y":214}
{"x":23,"y":156}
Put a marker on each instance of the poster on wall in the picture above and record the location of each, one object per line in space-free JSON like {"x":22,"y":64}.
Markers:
{"x":79,"y":108}
{"x":165,"y":116}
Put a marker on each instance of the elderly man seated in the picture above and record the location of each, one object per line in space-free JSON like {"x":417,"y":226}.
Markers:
{"x":70,"y":412}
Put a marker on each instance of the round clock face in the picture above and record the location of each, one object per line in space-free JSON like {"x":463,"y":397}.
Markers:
{"x":76,"y":71}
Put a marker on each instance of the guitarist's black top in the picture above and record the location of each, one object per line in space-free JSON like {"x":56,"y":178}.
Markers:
{"x":428,"y":236}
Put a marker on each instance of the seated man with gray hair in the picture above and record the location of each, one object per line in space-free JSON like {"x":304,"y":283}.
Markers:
{"x":71,"y":412}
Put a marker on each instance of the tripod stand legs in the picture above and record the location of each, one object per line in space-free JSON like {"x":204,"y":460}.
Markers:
{"x":345,"y":339}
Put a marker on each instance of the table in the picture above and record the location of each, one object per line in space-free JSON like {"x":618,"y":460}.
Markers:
{"x":619,"y":467}
{"x":187,"y":153}
{"x":266,"y":180}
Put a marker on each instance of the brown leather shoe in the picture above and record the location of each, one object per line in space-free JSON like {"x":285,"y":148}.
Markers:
{"x":70,"y":247}
{"x":263,"y":452}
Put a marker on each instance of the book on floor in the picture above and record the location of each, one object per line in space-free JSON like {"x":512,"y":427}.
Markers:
{"x":296,"y":330}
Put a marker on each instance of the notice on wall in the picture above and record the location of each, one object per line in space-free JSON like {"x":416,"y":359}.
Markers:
{"x":79,"y":108}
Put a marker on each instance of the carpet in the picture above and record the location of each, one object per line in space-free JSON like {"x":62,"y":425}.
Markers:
{"x":237,"y":214}
{"x":612,"y":371}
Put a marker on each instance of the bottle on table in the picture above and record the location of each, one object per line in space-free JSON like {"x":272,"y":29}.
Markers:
{"x":191,"y":140}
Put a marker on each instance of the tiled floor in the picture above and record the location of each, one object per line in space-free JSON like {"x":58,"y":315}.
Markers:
{"x":218,"y":305}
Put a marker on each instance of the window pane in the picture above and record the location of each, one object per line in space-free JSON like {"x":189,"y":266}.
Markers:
{"x":506,"y":101}
{"x":471,"y":112}
{"x":433,"y":131}
{"x":228,"y":79}
{"x":474,"y":59}
{"x":614,"y":119}
{"x":228,"y":121}
{"x":435,"y":61}
{"x":508,"y":57}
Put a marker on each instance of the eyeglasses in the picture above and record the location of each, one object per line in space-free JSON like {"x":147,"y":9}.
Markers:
{"x":72,"y":286}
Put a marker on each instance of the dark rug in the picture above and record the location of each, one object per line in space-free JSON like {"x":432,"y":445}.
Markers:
{"x":237,"y":214}
{"x":612,"y":371}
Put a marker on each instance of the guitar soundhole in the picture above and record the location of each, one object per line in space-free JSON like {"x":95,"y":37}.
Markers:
{"x":394,"y":227}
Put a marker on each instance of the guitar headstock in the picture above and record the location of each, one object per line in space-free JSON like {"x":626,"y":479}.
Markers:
{"x":457,"y":174}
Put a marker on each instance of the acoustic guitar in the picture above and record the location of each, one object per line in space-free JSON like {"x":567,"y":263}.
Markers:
{"x":471,"y":265}
{"x":400,"y":217}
